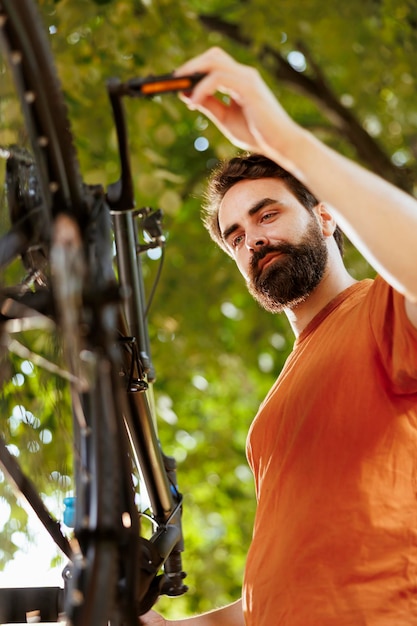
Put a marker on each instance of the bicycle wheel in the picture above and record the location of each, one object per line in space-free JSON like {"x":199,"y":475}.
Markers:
{"x":37,"y":84}
{"x":43,"y":183}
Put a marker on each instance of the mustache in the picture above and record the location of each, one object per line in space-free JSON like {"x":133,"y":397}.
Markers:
{"x":258,"y":255}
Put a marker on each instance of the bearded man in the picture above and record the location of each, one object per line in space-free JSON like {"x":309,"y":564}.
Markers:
{"x":333,"y":448}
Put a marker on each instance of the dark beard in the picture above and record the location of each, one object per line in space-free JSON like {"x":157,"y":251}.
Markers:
{"x":289,"y":278}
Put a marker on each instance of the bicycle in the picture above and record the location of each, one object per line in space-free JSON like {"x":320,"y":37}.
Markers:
{"x":62,"y":230}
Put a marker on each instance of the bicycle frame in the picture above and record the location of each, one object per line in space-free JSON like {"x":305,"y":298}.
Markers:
{"x":159,"y":471}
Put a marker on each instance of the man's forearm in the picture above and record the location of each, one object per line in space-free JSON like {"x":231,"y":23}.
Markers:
{"x":230,"y":615}
{"x":376,"y":216}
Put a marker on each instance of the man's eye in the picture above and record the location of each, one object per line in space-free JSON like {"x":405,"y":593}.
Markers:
{"x":237,"y":240}
{"x":267,"y":216}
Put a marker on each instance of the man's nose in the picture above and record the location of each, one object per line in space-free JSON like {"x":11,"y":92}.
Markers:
{"x":255,"y":240}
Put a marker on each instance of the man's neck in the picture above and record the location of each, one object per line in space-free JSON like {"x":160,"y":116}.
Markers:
{"x":330,"y":286}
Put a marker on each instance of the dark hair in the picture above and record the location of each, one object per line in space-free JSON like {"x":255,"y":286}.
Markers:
{"x":250,"y":166}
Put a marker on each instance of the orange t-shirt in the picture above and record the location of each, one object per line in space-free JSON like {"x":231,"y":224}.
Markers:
{"x":334,"y":454}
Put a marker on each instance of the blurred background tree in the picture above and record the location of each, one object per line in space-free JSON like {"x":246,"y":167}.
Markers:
{"x":343,"y":70}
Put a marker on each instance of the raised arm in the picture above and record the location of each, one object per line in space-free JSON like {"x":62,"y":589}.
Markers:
{"x":380,"y":219}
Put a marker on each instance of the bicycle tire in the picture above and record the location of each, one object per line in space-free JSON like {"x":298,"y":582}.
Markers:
{"x":38,"y":88}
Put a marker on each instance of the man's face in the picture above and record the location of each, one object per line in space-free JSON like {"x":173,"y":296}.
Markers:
{"x":278,"y":245}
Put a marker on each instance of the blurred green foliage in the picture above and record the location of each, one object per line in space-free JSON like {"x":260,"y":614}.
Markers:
{"x":215,"y":351}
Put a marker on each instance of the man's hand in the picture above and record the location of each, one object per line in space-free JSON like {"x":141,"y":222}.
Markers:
{"x":152,"y":619}
{"x":249,"y":113}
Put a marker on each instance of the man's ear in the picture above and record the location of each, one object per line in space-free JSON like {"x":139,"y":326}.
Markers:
{"x":325,"y":218}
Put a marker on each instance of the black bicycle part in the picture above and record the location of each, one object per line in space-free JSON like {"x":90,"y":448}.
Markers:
{"x":43,"y":106}
{"x":158,"y":470}
{"x":60,"y":191}
{"x":23,"y":604}
{"x":111,"y":555}
{"x":150,"y":86}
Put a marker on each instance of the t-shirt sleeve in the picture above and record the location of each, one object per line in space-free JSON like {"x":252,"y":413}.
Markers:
{"x":395,"y":336}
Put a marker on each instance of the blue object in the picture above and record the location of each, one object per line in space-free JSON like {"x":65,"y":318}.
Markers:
{"x":69,"y":512}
